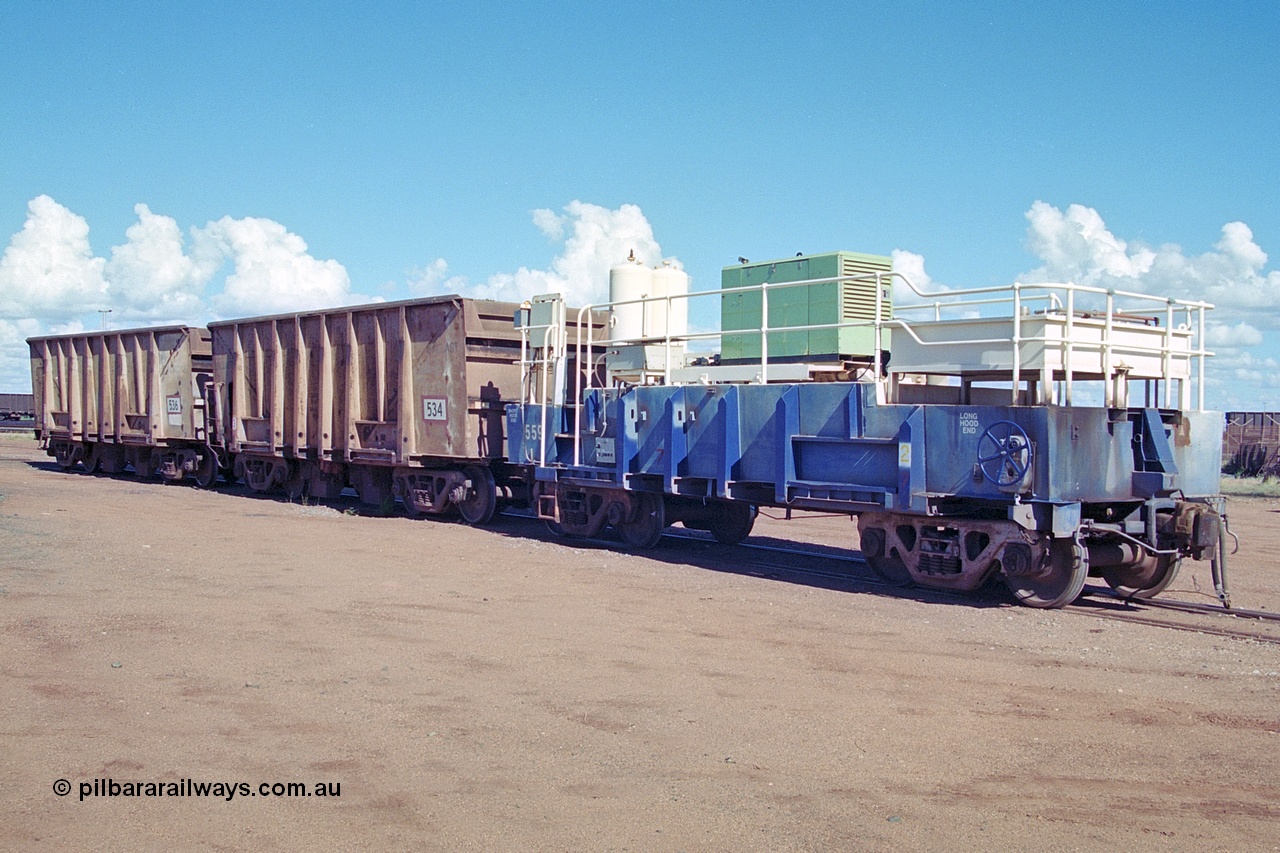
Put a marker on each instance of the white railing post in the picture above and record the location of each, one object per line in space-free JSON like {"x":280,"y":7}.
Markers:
{"x":764,"y":333}
{"x":1068,"y":345}
{"x":1108,"y":384}
{"x":547,"y":371}
{"x":584,"y":311}
{"x":1200,"y":359}
{"x":1017,"y":339}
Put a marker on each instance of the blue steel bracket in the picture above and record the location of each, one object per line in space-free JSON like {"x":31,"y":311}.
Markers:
{"x":1057,"y":519}
{"x":628,"y":447}
{"x":1151,"y":445}
{"x":911,"y":458}
{"x":788,"y":423}
{"x":854,"y":409}
{"x":677,"y":443}
{"x":732,"y":455}
{"x":1154,"y":467}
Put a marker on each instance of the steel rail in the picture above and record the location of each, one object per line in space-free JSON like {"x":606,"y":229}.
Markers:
{"x":1078,"y":608}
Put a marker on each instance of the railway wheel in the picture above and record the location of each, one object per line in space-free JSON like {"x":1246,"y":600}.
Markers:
{"x":645,"y":531}
{"x":732,"y":522}
{"x":890,"y":569}
{"x":207,"y":470}
{"x":481,"y":499}
{"x":1144,"y":579}
{"x":93,"y":459}
{"x":294,"y":484}
{"x":1061,"y":581}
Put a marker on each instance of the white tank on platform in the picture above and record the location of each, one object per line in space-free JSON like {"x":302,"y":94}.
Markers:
{"x":628,"y":280}
{"x":668,"y":281}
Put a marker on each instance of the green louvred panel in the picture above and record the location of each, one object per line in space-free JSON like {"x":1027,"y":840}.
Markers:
{"x":814,"y":304}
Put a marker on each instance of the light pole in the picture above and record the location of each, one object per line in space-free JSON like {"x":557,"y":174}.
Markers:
{"x":104,"y":312}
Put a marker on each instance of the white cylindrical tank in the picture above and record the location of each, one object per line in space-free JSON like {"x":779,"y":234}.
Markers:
{"x":628,"y":280}
{"x":669,"y":281}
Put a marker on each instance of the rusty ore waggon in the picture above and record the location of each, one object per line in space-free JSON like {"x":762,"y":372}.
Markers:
{"x":395,"y":400}
{"x":15,"y":407}
{"x":1037,"y":434}
{"x":128,"y":398}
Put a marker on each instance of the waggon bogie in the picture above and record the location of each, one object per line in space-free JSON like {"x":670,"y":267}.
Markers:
{"x":469,"y":490}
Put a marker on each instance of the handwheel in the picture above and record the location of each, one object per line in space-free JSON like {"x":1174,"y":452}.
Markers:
{"x":1145,"y":579}
{"x":1004,"y":453}
{"x":481,"y":499}
{"x":646,"y":530}
{"x":1059,"y":583}
{"x":93,"y":459}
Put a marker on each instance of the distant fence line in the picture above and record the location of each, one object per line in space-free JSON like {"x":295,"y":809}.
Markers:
{"x":1251,"y":444}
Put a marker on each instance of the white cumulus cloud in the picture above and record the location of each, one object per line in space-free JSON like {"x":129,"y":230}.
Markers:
{"x":273,"y":271}
{"x":150,"y":276}
{"x":49,"y":270}
{"x":434,"y":279}
{"x":1077,"y":246}
{"x":1233,"y":337}
{"x":595,"y":238}
{"x":51,"y":282}
{"x":911,"y":266}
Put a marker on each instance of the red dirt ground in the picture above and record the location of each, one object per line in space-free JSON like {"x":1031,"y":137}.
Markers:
{"x":483,"y":689}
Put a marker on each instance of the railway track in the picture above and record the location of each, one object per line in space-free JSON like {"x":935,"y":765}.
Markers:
{"x":1096,"y":602}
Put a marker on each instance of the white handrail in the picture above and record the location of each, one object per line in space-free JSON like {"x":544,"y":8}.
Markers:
{"x":1058,"y":297}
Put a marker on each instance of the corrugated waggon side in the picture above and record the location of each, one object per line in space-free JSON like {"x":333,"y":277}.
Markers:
{"x":401,"y":399}
{"x":134,"y":398}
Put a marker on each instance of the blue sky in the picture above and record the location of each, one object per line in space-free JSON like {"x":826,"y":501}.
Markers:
{"x":312,"y":153}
